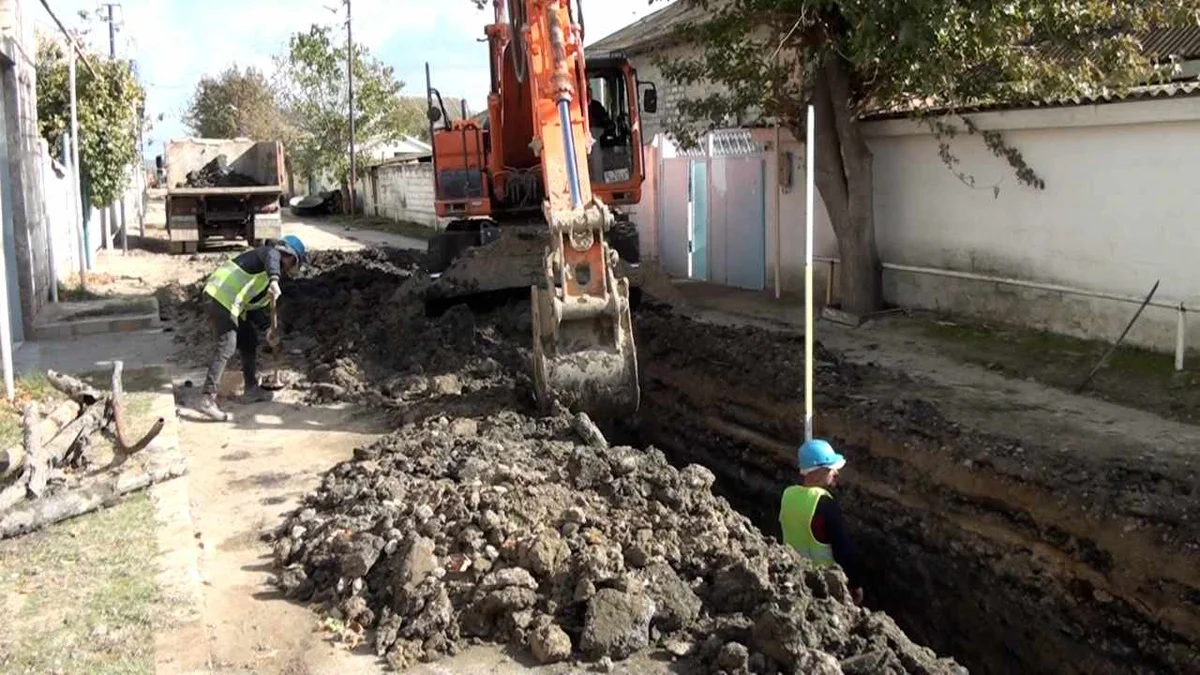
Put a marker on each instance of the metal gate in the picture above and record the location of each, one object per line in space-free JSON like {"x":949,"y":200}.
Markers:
{"x":712,"y":213}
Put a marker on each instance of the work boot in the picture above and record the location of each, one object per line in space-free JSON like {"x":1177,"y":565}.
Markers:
{"x":208,"y":408}
{"x":256,"y":394}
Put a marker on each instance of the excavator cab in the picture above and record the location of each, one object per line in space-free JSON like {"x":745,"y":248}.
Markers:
{"x":526,"y":192}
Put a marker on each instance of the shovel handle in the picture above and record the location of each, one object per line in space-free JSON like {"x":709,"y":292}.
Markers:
{"x":274,"y":325}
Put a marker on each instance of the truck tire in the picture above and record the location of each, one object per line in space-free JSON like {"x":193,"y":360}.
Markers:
{"x":623,"y":238}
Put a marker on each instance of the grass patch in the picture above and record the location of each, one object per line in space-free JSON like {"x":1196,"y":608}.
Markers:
{"x":32,"y":387}
{"x":81,"y":596}
{"x":400,"y":227}
{"x":72,"y":291}
{"x":1134,"y":377}
{"x":986,"y":344}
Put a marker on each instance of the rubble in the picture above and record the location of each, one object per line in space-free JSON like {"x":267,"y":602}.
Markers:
{"x":217,"y":174}
{"x":531,"y":534}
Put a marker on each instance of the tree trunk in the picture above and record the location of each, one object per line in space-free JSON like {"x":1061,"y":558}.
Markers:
{"x":844,"y":180}
{"x":36,"y":514}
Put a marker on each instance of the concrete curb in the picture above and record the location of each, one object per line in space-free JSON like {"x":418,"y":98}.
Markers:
{"x":179,"y":577}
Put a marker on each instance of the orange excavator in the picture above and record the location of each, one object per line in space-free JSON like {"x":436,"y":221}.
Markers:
{"x":528,"y":192}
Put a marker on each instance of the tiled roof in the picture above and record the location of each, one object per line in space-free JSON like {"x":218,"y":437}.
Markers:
{"x":1161,"y":44}
{"x":1145,"y":93}
{"x":648,"y":30}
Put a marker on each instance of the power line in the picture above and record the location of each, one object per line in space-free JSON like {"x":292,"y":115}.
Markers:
{"x":70,"y":38}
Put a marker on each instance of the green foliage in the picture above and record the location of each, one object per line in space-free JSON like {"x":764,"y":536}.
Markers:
{"x":108,"y":107}
{"x":933,"y":58}
{"x":236,"y":103}
{"x":314,"y":97}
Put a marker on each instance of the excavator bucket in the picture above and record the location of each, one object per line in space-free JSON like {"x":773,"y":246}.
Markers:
{"x":584,"y":354}
{"x":584,"y":357}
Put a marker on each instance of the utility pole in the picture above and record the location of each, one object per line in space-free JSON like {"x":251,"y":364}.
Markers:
{"x":350,"y":86}
{"x":112,"y":54}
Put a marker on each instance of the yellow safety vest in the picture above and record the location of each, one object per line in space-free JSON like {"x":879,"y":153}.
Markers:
{"x":235,"y":288}
{"x":796,"y":512}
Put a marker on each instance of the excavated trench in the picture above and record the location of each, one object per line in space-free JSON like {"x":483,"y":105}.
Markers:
{"x":994,"y":551}
{"x":963,"y":547}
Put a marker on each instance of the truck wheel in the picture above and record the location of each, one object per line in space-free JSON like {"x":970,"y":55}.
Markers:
{"x":623,"y":238}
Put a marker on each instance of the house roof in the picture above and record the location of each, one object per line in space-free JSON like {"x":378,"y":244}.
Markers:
{"x":1160,"y":44}
{"x":649,"y":30}
{"x":1144,"y":93}
{"x":1163,"y":43}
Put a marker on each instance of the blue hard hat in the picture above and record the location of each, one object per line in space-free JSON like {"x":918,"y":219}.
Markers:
{"x":819,"y":454}
{"x":293,"y":242}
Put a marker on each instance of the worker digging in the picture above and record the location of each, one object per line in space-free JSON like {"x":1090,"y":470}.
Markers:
{"x":237,"y":293}
{"x":811,"y":521}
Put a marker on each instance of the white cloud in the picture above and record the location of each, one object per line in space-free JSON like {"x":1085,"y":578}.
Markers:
{"x":177,"y":41}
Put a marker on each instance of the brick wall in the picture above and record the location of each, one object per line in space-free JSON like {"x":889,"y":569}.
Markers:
{"x":400,"y":192}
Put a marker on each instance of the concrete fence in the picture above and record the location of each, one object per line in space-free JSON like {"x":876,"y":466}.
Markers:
{"x":399,"y":191}
{"x":62,"y":230}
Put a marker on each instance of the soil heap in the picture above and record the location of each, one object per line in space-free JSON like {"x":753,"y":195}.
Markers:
{"x":533,"y":532}
{"x":217,"y":174}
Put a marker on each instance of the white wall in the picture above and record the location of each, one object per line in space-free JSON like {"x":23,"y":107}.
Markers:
{"x":64,"y":234}
{"x":400,"y":192}
{"x":1118,"y":212}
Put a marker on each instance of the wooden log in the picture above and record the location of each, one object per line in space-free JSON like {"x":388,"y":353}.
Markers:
{"x":39,"y":463}
{"x":36,"y":514}
{"x":78,"y":390}
{"x":12,"y":460}
{"x":32,"y":480}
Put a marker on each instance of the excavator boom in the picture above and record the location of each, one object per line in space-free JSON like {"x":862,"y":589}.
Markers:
{"x":538,"y":125}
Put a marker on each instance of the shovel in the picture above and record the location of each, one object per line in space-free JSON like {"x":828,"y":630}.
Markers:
{"x":274,"y":380}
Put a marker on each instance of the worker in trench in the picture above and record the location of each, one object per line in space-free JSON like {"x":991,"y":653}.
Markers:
{"x":240,"y":292}
{"x":811,"y":519}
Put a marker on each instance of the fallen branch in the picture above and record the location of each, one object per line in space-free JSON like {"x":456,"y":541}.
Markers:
{"x":36,"y":514}
{"x":13,"y":459}
{"x":76,"y":389}
{"x":39,"y":464}
{"x":123,"y":445}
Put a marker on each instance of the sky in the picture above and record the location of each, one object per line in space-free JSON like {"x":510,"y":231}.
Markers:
{"x":176,"y":42}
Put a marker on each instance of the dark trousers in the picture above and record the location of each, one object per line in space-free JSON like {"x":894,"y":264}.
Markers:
{"x":233,"y":335}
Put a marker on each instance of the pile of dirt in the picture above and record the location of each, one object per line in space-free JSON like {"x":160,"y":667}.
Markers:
{"x":357,"y":328}
{"x":533,"y":532}
{"x":217,"y":174}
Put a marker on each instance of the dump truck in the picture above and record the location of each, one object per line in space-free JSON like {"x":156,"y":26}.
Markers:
{"x":222,"y":188}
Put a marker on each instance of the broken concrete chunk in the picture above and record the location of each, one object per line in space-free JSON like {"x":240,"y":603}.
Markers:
{"x":549,"y":643}
{"x":417,"y":561}
{"x":545,"y":553}
{"x":734,"y":657}
{"x":676,"y":604}
{"x":617,"y":624}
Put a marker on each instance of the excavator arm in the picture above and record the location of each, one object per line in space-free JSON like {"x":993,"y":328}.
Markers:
{"x":519,"y":195}
{"x":583,"y":349}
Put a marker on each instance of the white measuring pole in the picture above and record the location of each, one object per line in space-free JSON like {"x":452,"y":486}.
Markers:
{"x":810,"y":190}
